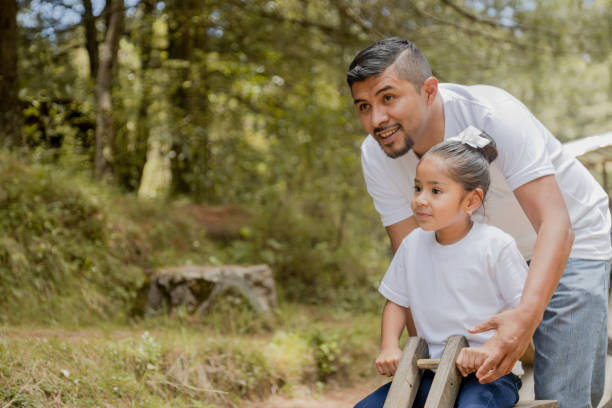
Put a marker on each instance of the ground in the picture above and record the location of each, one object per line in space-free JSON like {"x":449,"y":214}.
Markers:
{"x":335,"y":398}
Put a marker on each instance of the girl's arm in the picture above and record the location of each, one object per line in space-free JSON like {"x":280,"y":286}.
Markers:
{"x":393,"y":323}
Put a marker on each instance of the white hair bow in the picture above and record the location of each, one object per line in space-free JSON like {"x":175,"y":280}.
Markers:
{"x":471,"y":136}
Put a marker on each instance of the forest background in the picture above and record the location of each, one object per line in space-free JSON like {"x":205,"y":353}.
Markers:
{"x":126,"y":123}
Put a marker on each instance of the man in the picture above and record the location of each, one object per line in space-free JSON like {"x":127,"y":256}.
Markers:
{"x":540,"y":194}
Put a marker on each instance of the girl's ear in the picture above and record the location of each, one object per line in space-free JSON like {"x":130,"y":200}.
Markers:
{"x":473,"y":200}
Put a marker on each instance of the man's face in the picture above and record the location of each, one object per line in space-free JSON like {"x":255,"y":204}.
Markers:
{"x":392,"y":111}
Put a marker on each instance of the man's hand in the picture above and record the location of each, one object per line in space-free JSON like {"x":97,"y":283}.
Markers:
{"x":470,"y":359}
{"x":514,"y":330}
{"x":388,"y":360}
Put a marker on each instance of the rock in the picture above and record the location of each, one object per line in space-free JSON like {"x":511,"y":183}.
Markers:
{"x":196,"y":286}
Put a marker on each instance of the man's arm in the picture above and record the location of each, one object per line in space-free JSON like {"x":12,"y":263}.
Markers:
{"x":397,"y":232}
{"x":543,"y":203}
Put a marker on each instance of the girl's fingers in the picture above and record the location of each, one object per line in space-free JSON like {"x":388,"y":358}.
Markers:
{"x":386,"y":368}
{"x":472,"y":362}
{"x":460,"y":363}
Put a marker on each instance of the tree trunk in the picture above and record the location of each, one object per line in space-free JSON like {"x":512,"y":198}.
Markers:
{"x":10,"y":111}
{"x":91,"y":42}
{"x":142,"y":119}
{"x":190,"y":104}
{"x":108,"y":58}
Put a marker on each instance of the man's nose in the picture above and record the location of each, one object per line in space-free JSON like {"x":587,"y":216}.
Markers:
{"x":379,"y":116}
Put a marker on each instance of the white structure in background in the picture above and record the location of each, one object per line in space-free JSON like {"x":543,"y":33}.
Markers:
{"x":594,"y":152}
{"x":600,"y":145}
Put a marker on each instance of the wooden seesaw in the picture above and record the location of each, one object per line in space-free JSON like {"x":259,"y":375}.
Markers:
{"x":446,"y":382}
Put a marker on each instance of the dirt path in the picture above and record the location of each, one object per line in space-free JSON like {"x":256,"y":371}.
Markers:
{"x":336,"y":398}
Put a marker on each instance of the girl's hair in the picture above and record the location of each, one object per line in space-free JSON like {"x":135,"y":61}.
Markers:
{"x":466,"y":164}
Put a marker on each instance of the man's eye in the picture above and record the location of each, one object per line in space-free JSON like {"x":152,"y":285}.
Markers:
{"x":362,"y":106}
{"x":387,"y":98}
{"x":417,"y":189}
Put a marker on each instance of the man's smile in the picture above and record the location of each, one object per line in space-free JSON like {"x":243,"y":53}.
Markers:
{"x":388,"y":132}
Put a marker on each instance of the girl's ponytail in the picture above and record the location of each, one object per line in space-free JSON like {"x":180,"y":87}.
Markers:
{"x":489,"y":151}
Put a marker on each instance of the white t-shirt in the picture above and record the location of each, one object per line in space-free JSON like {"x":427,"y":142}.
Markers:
{"x":527,"y":150}
{"x":451,"y":288}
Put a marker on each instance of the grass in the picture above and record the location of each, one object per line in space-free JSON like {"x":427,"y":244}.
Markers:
{"x":164,"y":362}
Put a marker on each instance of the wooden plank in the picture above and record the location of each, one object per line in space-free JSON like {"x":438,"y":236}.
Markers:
{"x":447,"y":380}
{"x":539,"y":404}
{"x":428,"y":363}
{"x":407,"y":377}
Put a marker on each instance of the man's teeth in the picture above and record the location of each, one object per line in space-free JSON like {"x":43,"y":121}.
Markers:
{"x":388,"y":133}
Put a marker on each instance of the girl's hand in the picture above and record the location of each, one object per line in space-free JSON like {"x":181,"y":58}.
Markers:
{"x":388,"y":360}
{"x":470,"y":359}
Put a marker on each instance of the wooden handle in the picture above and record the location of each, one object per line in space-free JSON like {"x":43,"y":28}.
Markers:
{"x":428,"y":363}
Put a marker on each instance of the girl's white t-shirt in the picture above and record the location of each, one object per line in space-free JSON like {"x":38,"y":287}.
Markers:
{"x":527,"y":150}
{"x":451,"y":288}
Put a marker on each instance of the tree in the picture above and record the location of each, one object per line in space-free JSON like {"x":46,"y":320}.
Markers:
{"x":10,"y":110}
{"x":104,"y":87}
{"x":91,"y":41}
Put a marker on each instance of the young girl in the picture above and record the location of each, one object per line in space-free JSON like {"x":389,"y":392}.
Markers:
{"x":451,"y":273}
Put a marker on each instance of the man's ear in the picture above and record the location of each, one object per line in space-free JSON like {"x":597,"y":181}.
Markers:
{"x":430,"y":89}
{"x":474,"y":200}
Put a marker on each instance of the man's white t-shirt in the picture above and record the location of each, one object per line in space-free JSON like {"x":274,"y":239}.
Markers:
{"x":527,"y":151}
{"x":451,"y":288}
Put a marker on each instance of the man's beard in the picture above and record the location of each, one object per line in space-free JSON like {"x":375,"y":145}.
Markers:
{"x":408,"y":143}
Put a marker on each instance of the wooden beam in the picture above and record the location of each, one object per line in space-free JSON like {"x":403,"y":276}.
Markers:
{"x":447,"y":380}
{"x":407,"y":377}
{"x":428,"y":363}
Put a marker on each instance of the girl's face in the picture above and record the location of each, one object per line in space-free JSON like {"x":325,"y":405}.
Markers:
{"x":440,"y":203}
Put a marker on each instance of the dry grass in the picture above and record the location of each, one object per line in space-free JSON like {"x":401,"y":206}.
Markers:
{"x":161,"y":364}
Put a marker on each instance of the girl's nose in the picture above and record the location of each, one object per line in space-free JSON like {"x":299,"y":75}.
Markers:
{"x":420,"y":199}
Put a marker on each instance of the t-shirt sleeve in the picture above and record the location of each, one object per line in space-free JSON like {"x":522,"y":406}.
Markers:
{"x":394,"y":283}
{"x":521,"y":143}
{"x":391,"y":204}
{"x":510,"y":274}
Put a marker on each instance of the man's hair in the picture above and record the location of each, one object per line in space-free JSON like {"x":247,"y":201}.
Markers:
{"x":410,"y":63}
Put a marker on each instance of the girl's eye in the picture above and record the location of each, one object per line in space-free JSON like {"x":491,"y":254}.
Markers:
{"x":387,"y":98}
{"x":362,"y":106}
{"x":417,"y":189}
{"x":436,"y":191}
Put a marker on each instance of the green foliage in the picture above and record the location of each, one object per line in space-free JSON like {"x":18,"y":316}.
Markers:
{"x":55,"y":247}
{"x":84,"y":250}
{"x":73,"y":253}
{"x":329,"y":354}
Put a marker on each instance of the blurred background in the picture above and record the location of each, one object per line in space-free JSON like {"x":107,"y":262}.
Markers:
{"x":139,"y":134}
